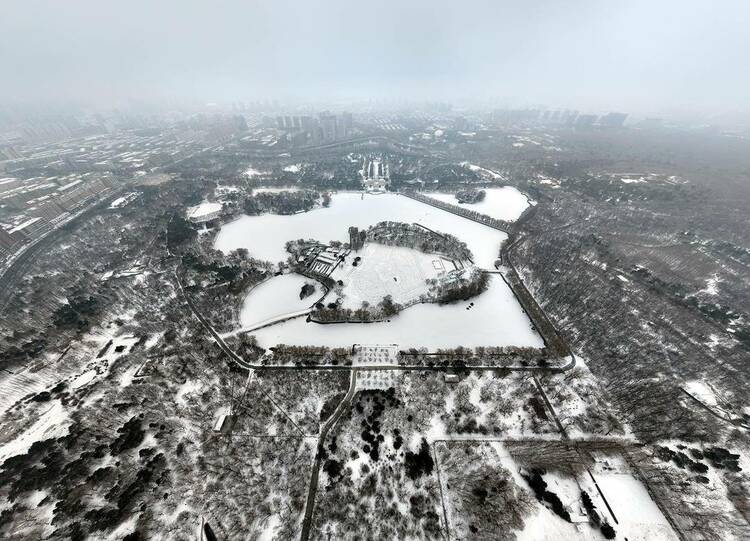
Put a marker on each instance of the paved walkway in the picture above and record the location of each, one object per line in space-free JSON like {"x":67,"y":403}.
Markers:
{"x":268,"y":322}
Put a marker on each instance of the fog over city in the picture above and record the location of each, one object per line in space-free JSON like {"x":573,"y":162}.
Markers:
{"x":641,"y":56}
{"x":327,"y":270}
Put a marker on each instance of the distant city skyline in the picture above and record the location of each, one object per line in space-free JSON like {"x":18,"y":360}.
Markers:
{"x":638,"y":56}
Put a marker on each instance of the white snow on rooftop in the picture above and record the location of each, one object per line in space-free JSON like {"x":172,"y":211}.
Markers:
{"x":24,"y":225}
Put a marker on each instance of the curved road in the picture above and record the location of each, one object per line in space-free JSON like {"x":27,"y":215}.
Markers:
{"x":330,"y":423}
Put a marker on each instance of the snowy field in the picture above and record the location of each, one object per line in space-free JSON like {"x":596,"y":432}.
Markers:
{"x":638,"y":516}
{"x":276,"y":297}
{"x":251,"y":172}
{"x":387,"y":270}
{"x":265,"y":236}
{"x":506,"y":203}
{"x":542,"y":524}
{"x":483,"y":172}
{"x":495,"y":319}
{"x":204,"y":209}
{"x":52,"y":423}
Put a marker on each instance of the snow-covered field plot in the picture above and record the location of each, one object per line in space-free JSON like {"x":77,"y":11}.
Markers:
{"x":373,"y":484}
{"x":534,"y":491}
{"x":703,"y":392}
{"x":265,"y":236}
{"x":124,"y":200}
{"x":374,"y":355}
{"x":708,"y":477}
{"x":377,"y":455}
{"x":78,"y":366}
{"x":52,"y":423}
{"x":482,"y":405}
{"x":494,"y":318}
{"x":506,"y":203}
{"x":488,"y":174}
{"x":251,"y":172}
{"x":387,"y":270}
{"x":376,"y":379}
{"x":487,"y":498}
{"x":305,"y":396}
{"x":204,"y":210}
{"x":576,"y":397}
{"x":276,"y":297}
{"x":638,"y":518}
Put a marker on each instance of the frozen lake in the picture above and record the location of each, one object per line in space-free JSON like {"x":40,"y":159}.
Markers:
{"x":505,"y":203}
{"x":265,"y":236}
{"x":496,"y":319}
{"x":275,"y":297}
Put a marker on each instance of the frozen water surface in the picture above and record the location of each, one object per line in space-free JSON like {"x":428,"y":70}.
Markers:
{"x":505,"y":203}
{"x":265,"y":236}
{"x":275,"y":297}
{"x":492,"y":319}
{"x":495,"y":319}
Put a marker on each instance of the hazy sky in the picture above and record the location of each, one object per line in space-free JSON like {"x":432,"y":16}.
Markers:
{"x":632,"y":55}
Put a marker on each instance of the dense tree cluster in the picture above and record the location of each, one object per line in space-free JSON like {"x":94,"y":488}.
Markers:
{"x":470,"y":196}
{"x":461,"y":289}
{"x":77,"y":312}
{"x":336,"y":312}
{"x":420,"y":238}
{"x":284,"y":202}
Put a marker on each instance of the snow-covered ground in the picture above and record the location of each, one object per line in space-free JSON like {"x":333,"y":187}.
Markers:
{"x":387,"y":270}
{"x":276,"y":189}
{"x":204,"y":209}
{"x":275,"y":297}
{"x":250,"y":172}
{"x":495,"y":319}
{"x":266,"y":235}
{"x":52,"y":423}
{"x":72,"y":366}
{"x":487,"y":173}
{"x":506,"y":203}
{"x":638,"y":516}
{"x":706,"y":393}
{"x":124,"y":200}
{"x":702,"y":392}
{"x":712,"y":285}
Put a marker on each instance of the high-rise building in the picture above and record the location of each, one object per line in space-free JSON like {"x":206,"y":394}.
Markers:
{"x":346,"y":123}
{"x":613,"y":120}
{"x":585,"y":121}
{"x":569,"y":117}
{"x":328,"y":127}
{"x":307,"y":123}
